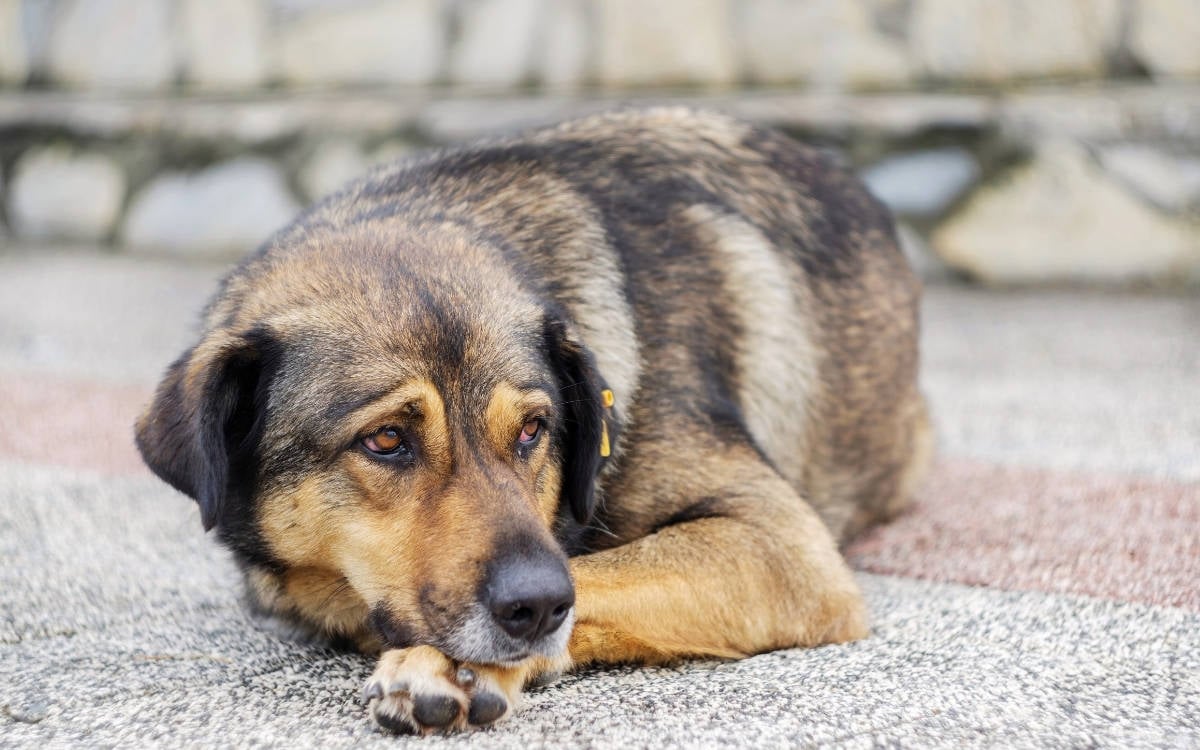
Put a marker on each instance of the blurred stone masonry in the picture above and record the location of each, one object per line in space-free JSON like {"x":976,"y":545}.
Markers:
{"x":1017,"y":140}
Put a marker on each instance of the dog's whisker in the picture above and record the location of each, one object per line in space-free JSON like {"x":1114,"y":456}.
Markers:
{"x":600,"y":526}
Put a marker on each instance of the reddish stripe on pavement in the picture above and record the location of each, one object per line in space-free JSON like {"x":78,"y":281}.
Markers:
{"x":76,"y":424}
{"x":976,"y":523}
{"x":1026,"y":529}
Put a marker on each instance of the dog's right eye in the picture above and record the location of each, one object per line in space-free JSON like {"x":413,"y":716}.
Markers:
{"x":388,"y":443}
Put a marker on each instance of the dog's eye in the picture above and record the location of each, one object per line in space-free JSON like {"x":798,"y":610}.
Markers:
{"x":530,"y":432}
{"x":387,"y":442}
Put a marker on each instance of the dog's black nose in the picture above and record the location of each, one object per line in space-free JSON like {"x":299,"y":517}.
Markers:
{"x":529,"y":597}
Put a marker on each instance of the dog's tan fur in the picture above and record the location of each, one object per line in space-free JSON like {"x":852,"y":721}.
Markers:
{"x":751,"y":312}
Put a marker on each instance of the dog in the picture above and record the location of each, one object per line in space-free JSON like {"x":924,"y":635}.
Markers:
{"x":612,"y":391}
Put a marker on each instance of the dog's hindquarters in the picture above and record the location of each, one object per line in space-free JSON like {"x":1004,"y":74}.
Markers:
{"x":826,"y":369}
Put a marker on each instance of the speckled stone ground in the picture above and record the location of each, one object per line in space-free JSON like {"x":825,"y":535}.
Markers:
{"x":1042,"y":592}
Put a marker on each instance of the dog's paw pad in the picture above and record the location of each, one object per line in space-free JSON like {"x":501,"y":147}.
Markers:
{"x":435,"y":710}
{"x":418,"y":713}
{"x":393,"y":723}
{"x":486,"y":708}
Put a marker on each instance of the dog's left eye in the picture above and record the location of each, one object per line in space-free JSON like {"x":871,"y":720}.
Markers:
{"x":387,"y":442}
{"x":530,"y":432}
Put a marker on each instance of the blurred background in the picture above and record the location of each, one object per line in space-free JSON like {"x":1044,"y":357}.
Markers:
{"x":1017,"y":140}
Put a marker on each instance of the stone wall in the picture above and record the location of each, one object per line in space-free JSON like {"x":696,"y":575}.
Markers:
{"x":1017,"y":140}
{"x":244,"y":45}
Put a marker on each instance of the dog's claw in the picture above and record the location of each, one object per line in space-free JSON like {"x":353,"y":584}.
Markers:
{"x":466,"y":676}
{"x":372,"y":691}
{"x":398,"y":686}
{"x":545,"y":678}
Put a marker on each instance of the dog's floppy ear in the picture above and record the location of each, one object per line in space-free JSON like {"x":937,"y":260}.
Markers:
{"x":583,"y":430}
{"x":203,"y":426}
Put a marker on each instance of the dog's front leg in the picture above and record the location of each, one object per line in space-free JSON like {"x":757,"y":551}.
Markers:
{"x":747,"y":567}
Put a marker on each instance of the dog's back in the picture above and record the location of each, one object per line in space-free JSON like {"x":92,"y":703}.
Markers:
{"x":722,"y":275}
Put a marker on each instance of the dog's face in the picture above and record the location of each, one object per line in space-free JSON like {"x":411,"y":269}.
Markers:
{"x":387,"y":444}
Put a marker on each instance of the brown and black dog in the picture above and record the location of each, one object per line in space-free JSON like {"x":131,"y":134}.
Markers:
{"x":612,"y":391}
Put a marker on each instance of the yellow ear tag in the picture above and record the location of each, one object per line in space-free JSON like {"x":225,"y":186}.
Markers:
{"x":607,"y":398}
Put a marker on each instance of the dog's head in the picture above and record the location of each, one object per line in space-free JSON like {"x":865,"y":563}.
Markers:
{"x":385,"y":431}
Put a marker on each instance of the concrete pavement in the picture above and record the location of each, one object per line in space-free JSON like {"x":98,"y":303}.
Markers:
{"x":1042,"y":591}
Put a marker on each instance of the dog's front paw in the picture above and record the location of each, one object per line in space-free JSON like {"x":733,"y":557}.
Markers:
{"x":420,"y":691}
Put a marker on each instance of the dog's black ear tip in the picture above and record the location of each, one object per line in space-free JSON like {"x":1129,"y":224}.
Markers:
{"x":174,"y":463}
{"x":583,"y":506}
{"x":208,"y":520}
{"x":211,"y":492}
